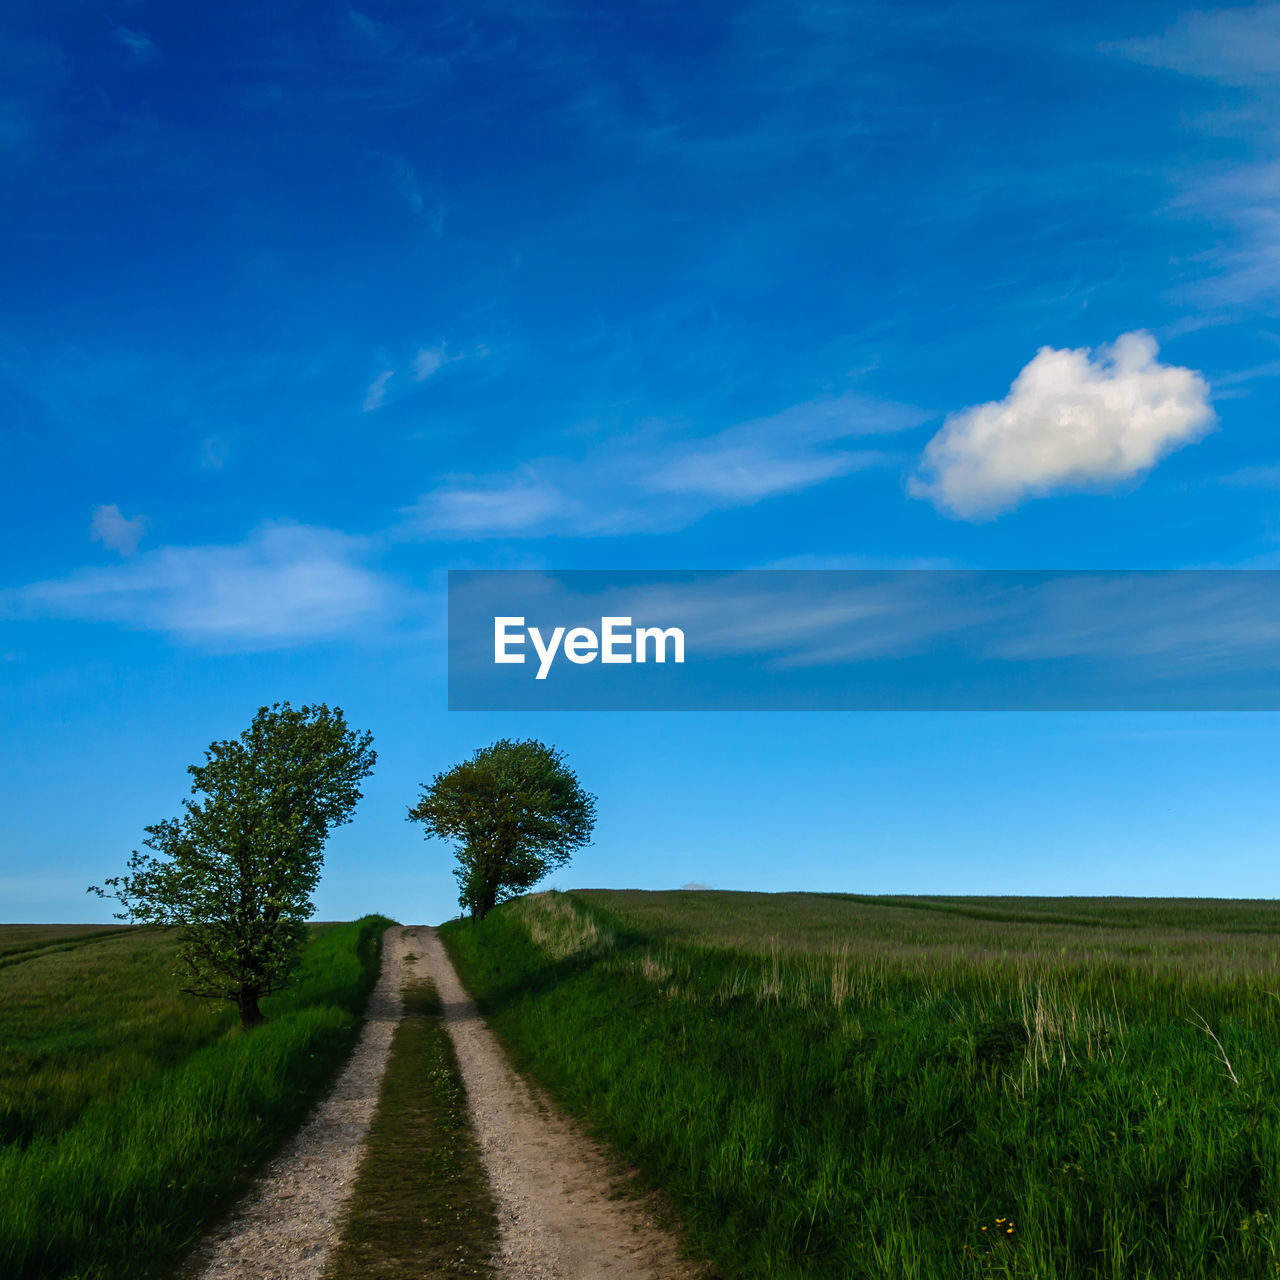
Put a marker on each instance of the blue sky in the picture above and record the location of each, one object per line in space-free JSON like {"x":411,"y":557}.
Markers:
{"x":306,"y":304}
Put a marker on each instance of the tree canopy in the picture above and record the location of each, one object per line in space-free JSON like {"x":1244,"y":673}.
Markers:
{"x":236,"y":871}
{"x":515,"y":810}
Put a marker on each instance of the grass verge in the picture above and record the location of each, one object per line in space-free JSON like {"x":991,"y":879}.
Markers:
{"x":117,"y":1179}
{"x":859,"y":1090}
{"x":421,"y":1204}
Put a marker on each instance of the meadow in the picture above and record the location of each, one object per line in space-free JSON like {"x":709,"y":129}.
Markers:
{"x":130,"y":1115}
{"x":931,"y":1088}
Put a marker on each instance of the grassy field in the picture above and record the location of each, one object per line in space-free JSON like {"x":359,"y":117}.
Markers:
{"x":841,"y":1086}
{"x":129,"y":1114}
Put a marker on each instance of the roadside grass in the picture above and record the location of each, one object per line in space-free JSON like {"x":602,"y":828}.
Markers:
{"x":831,"y":1086}
{"x":133,"y":1115}
{"x":421,"y":1205}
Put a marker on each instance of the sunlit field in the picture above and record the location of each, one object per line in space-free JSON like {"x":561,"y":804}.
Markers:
{"x":130,"y":1114}
{"x":843,"y":1086}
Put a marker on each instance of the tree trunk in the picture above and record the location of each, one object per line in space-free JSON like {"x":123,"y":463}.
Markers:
{"x":483,"y":903}
{"x":250,"y":1014}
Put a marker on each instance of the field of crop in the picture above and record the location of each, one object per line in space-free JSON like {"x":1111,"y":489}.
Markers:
{"x":130,"y":1114}
{"x":841,"y":1086}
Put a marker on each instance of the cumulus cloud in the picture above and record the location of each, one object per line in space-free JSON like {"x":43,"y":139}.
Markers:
{"x":284,"y":584}
{"x":377,"y":391}
{"x":1072,"y":419}
{"x":115,"y":532}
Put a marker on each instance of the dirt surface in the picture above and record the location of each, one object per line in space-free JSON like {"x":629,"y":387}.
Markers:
{"x":552,"y":1185}
{"x":286,"y":1226}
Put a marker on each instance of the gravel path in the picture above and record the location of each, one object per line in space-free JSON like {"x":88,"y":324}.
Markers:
{"x":288,"y":1223}
{"x":551,"y":1183}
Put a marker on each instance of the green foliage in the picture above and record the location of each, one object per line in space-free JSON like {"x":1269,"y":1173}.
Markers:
{"x":146,"y":1113}
{"x":517,"y":812}
{"x":876,"y":1088}
{"x":236,"y":871}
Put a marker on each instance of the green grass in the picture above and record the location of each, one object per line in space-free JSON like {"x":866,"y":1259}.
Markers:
{"x":132,"y":1115}
{"x":840,"y":1086}
{"x":19,"y":942}
{"x":421,"y":1205}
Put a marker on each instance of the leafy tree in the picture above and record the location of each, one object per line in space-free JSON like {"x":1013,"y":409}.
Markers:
{"x":516,"y":811}
{"x":236,"y":871}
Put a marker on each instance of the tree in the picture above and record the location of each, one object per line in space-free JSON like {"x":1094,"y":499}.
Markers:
{"x":236,"y":871}
{"x":516,"y":810}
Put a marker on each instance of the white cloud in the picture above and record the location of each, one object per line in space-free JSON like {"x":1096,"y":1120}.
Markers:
{"x":783,"y":453}
{"x":1072,"y":419}
{"x":285,"y":583}
{"x":466,"y":508}
{"x":1245,"y":265}
{"x":115,"y":532}
{"x":377,"y":391}
{"x":1237,"y":46}
{"x":654,"y":480}
{"x":142,"y":46}
{"x":745,"y":474}
{"x":429,"y":360}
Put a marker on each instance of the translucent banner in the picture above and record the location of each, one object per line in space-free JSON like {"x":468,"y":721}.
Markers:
{"x":866,"y":640}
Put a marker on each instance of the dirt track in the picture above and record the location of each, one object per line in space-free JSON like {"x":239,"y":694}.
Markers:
{"x":552,"y":1184}
{"x":286,"y":1225}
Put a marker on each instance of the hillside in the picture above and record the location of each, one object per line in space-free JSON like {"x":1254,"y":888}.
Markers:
{"x":833,"y":1086}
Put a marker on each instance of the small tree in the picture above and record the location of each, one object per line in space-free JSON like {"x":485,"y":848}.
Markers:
{"x":516,"y":811}
{"x":236,"y":871}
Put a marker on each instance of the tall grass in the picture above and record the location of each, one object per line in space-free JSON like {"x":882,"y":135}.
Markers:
{"x":133,"y":1150}
{"x":929,"y":1093}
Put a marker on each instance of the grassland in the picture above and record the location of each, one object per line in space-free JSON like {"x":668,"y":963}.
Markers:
{"x":129,"y":1114}
{"x":421,"y":1204}
{"x":841,"y":1086}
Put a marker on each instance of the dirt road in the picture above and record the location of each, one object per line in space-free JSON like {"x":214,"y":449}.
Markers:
{"x":287,"y":1224}
{"x":551,"y":1183}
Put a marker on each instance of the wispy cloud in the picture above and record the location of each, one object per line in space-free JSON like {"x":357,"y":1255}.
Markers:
{"x":1072,"y":419}
{"x":784,"y":453}
{"x":430,"y":360}
{"x":140,"y":45}
{"x":656,"y":479}
{"x":376,"y":392}
{"x":1244,"y":264}
{"x":1237,"y":46}
{"x":115,"y":532}
{"x":283,"y":585}
{"x":464,"y":507}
